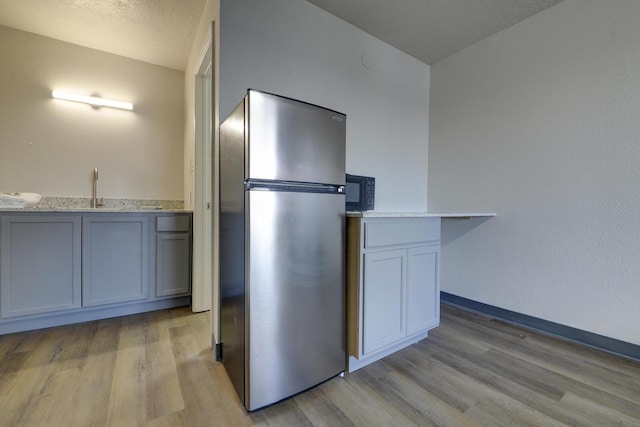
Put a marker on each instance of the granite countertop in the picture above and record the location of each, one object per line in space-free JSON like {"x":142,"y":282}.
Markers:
{"x":376,"y":214}
{"x":82,"y":205}
{"x":98,"y":210}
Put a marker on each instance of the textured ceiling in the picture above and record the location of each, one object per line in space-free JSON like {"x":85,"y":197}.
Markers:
{"x":431,"y":30}
{"x":161,"y":31}
{"x":155,"y":31}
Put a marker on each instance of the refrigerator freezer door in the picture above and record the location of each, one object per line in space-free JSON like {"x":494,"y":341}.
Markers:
{"x":294,"y":141}
{"x":295,"y":293}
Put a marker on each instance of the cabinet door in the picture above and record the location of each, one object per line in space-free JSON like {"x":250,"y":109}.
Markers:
{"x":115,"y":259}
{"x":39,"y":264}
{"x":383,"y":299}
{"x":173,"y":264}
{"x":423,"y":302}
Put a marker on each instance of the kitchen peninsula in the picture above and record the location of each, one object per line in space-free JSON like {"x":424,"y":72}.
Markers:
{"x":393,"y":281}
{"x":70,"y":264}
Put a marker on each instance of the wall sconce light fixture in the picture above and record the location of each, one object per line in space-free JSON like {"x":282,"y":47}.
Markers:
{"x":94,"y":101}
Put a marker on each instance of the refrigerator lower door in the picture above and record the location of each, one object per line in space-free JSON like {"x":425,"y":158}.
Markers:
{"x":295,"y":293}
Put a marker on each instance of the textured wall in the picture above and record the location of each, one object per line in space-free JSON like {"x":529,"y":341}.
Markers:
{"x":539,"y":123}
{"x":50,"y":146}
{"x":293,"y":48}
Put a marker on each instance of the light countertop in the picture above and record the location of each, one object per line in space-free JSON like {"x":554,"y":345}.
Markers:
{"x":83,"y":205}
{"x":92,"y":210}
{"x":453,"y":215}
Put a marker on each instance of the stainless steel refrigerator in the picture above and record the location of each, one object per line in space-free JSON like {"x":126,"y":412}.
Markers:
{"x":282,"y":234}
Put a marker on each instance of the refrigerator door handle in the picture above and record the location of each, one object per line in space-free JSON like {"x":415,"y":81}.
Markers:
{"x":289,"y":186}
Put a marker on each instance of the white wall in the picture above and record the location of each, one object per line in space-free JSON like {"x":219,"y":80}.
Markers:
{"x":50,"y":146}
{"x":293,"y":48}
{"x":540,"y":123}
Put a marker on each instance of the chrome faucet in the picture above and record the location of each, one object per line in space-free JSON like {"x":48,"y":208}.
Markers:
{"x":95,"y":203}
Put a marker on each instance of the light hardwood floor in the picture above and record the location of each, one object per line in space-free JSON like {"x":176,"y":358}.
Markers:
{"x":156,"y":369}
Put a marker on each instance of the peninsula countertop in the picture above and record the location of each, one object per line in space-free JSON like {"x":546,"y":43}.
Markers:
{"x":453,"y":215}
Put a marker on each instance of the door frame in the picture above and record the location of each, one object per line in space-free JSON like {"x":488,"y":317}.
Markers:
{"x":203,"y":164}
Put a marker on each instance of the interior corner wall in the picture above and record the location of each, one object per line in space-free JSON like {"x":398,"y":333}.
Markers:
{"x":295,"y":49}
{"x":50,"y":146}
{"x":539,"y":123}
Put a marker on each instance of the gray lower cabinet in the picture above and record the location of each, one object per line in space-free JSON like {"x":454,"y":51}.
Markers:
{"x":423,"y":289}
{"x":173,"y":255}
{"x":39,"y":264}
{"x":393,"y":291}
{"x":59,"y":268}
{"x":383,"y":304}
{"x":115,"y":259}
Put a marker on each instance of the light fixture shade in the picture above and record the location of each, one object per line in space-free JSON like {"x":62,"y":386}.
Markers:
{"x":94,"y":101}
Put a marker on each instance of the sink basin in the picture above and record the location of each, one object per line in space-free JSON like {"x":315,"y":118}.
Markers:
{"x":19,"y":200}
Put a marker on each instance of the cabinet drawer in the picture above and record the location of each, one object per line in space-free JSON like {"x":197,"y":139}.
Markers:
{"x":173,"y":223}
{"x":401,"y":231}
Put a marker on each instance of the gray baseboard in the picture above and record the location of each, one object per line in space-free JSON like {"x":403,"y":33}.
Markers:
{"x":88,"y":314}
{"x":611,"y":345}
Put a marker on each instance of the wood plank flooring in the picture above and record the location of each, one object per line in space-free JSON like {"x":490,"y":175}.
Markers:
{"x":157,"y":369}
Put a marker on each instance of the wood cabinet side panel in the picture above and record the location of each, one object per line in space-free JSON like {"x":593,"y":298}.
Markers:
{"x":353,"y":286}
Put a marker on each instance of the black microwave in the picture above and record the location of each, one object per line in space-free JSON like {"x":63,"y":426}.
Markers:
{"x":361,"y":193}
